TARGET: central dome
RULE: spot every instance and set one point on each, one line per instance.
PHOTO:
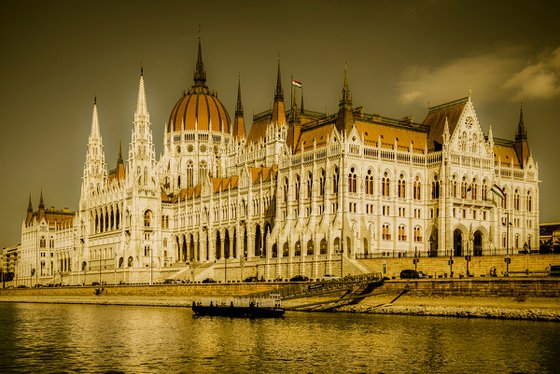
(198, 109)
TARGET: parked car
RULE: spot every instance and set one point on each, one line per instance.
(410, 274)
(251, 279)
(208, 280)
(330, 277)
(554, 271)
(299, 278)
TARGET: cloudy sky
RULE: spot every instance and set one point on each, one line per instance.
(402, 56)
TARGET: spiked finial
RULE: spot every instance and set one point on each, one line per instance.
(29, 205)
(120, 160)
(41, 203)
(95, 133)
(346, 99)
(141, 105)
(239, 107)
(521, 130)
(279, 94)
(200, 73)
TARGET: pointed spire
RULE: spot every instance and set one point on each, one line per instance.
(278, 106)
(279, 94)
(521, 130)
(239, 107)
(301, 105)
(41, 203)
(29, 205)
(346, 98)
(200, 73)
(120, 159)
(490, 135)
(95, 133)
(345, 119)
(141, 105)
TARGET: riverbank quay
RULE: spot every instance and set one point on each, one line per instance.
(524, 299)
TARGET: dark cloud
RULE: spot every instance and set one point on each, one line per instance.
(56, 54)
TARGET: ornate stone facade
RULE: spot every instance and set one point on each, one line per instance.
(276, 202)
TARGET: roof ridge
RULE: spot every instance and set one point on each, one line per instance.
(448, 104)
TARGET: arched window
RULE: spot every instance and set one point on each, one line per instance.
(147, 218)
(386, 232)
(474, 189)
(454, 189)
(529, 201)
(435, 187)
(352, 181)
(484, 190)
(42, 242)
(322, 183)
(474, 144)
(417, 234)
(463, 142)
(309, 185)
(335, 180)
(504, 200)
(369, 183)
(285, 190)
(203, 172)
(297, 186)
(190, 174)
(417, 190)
(464, 188)
(401, 187)
(516, 200)
(402, 233)
(385, 185)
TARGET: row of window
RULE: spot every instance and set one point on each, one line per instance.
(401, 233)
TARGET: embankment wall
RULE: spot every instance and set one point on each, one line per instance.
(481, 287)
(479, 266)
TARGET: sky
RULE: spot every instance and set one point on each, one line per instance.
(402, 57)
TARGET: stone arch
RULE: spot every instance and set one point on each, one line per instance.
(323, 247)
(478, 238)
(366, 247)
(310, 247)
(433, 242)
(286, 250)
(218, 248)
(227, 253)
(336, 245)
(297, 248)
(457, 242)
(258, 241)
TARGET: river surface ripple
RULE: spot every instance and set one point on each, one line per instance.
(48, 338)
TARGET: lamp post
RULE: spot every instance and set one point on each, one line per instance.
(507, 259)
(450, 262)
(151, 265)
(415, 260)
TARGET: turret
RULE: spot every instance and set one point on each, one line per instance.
(521, 142)
(95, 171)
(141, 155)
(239, 119)
(345, 119)
(278, 107)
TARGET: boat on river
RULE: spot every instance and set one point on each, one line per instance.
(246, 307)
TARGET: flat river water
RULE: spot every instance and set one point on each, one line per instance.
(55, 338)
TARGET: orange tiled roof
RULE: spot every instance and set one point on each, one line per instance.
(505, 152)
(372, 132)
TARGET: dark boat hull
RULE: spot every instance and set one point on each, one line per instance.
(238, 311)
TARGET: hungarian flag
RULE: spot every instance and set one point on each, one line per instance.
(498, 191)
(296, 83)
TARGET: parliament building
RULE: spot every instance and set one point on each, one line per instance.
(301, 192)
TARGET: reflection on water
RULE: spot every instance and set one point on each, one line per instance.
(92, 338)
